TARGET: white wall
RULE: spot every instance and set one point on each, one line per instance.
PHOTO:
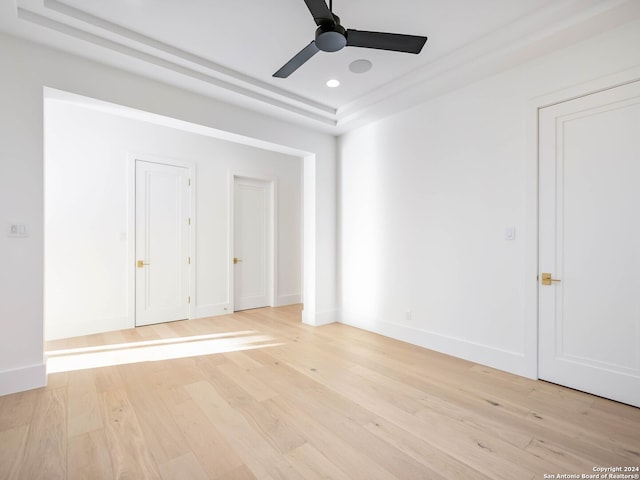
(28, 68)
(424, 200)
(425, 197)
(87, 211)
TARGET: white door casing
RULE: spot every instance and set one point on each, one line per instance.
(589, 233)
(252, 243)
(162, 243)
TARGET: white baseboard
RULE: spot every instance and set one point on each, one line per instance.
(212, 310)
(21, 379)
(512, 362)
(101, 325)
(291, 299)
(317, 319)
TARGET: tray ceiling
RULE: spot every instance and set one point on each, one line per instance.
(230, 49)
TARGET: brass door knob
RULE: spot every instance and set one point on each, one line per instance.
(141, 263)
(547, 280)
(236, 260)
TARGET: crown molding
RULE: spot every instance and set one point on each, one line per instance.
(562, 23)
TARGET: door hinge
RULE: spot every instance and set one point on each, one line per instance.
(189, 260)
(189, 182)
(189, 221)
(189, 298)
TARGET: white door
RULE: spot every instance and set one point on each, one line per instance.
(252, 243)
(162, 243)
(589, 313)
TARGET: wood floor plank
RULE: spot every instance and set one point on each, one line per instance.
(57, 380)
(511, 418)
(252, 385)
(17, 409)
(180, 329)
(130, 457)
(303, 391)
(107, 379)
(183, 467)
(444, 408)
(318, 402)
(349, 459)
(587, 440)
(162, 436)
(83, 408)
(274, 424)
(45, 454)
(518, 394)
(88, 457)
(438, 465)
(164, 330)
(243, 360)
(331, 413)
(169, 382)
(270, 423)
(480, 449)
(312, 465)
(240, 473)
(256, 452)
(210, 447)
(483, 451)
(12, 446)
(374, 449)
(559, 459)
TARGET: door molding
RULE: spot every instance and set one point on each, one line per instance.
(273, 232)
(529, 366)
(132, 158)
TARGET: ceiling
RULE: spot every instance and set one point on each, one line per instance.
(229, 49)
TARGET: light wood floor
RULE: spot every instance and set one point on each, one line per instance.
(284, 400)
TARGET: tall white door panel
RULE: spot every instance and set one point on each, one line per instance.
(162, 243)
(589, 308)
(252, 243)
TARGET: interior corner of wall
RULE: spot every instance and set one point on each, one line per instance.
(317, 319)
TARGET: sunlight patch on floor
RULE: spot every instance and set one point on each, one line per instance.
(81, 358)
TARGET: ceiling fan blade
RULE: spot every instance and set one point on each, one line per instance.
(297, 61)
(385, 41)
(320, 11)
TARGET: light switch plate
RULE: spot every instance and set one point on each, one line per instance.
(510, 233)
(17, 230)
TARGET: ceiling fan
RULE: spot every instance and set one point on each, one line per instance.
(331, 37)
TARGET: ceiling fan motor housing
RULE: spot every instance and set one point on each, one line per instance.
(331, 37)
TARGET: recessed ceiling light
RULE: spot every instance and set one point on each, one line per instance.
(360, 66)
(333, 83)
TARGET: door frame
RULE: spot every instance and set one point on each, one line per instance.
(272, 252)
(529, 365)
(132, 158)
